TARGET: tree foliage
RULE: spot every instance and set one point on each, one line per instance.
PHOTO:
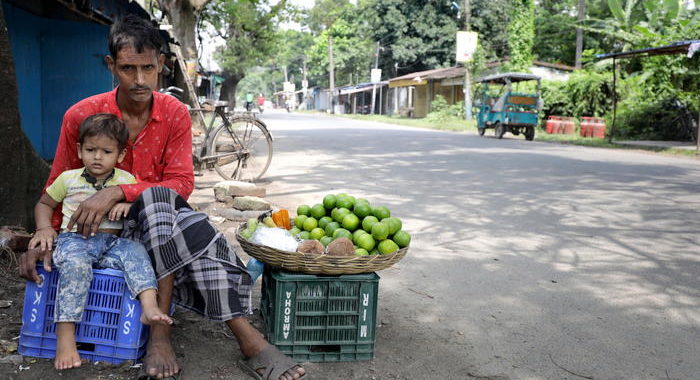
(250, 31)
(521, 35)
(416, 35)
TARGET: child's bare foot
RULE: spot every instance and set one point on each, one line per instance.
(151, 315)
(66, 352)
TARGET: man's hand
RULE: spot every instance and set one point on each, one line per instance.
(91, 211)
(27, 264)
(120, 210)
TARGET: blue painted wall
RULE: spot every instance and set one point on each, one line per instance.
(57, 62)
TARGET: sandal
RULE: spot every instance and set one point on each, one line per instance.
(270, 359)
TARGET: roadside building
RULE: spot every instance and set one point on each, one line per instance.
(411, 95)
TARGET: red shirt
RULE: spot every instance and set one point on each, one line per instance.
(161, 155)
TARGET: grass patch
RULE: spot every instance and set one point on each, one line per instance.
(603, 143)
(451, 124)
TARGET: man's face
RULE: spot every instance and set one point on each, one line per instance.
(137, 72)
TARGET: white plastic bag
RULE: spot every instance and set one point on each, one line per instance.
(278, 238)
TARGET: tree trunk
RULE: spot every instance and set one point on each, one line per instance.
(228, 88)
(579, 32)
(22, 171)
(183, 16)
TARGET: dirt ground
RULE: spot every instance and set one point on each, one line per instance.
(206, 350)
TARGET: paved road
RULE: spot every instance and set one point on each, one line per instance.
(529, 260)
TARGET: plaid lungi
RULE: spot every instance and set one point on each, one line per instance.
(210, 278)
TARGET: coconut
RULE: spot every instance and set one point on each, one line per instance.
(311, 246)
(341, 247)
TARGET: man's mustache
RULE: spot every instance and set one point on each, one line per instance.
(139, 88)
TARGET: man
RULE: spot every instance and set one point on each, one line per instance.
(194, 264)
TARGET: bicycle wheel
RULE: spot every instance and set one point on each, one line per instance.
(250, 146)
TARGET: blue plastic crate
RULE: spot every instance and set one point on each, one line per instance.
(109, 331)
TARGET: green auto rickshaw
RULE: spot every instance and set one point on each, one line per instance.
(504, 109)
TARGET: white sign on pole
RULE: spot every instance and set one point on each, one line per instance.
(376, 75)
(466, 46)
(305, 83)
(289, 87)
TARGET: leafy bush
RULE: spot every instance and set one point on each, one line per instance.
(586, 93)
(442, 111)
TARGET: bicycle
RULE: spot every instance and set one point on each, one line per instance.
(237, 146)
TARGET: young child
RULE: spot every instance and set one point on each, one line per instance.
(101, 145)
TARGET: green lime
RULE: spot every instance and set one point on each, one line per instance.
(350, 222)
(362, 200)
(326, 240)
(295, 230)
(357, 233)
(365, 241)
(393, 223)
(299, 221)
(317, 233)
(361, 209)
(402, 238)
(342, 232)
(361, 252)
(253, 223)
(387, 246)
(368, 222)
(310, 223)
(374, 252)
(247, 234)
(345, 202)
(324, 221)
(329, 201)
(380, 231)
(331, 227)
(304, 235)
(340, 214)
(303, 210)
(318, 211)
(381, 212)
(341, 195)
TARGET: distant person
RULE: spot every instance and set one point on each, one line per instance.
(261, 103)
(101, 145)
(248, 102)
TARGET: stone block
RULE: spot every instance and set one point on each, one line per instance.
(248, 203)
(225, 189)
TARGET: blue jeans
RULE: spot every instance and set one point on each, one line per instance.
(75, 257)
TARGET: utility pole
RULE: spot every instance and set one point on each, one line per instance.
(579, 32)
(467, 79)
(374, 86)
(331, 69)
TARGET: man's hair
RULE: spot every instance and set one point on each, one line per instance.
(133, 31)
(104, 124)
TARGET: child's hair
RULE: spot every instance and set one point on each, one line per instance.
(104, 124)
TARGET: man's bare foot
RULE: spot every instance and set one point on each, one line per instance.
(160, 358)
(153, 315)
(66, 351)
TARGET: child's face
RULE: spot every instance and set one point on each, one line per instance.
(100, 154)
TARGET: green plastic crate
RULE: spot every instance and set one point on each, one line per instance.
(320, 318)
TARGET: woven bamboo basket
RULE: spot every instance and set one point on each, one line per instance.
(318, 264)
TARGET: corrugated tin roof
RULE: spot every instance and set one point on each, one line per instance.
(445, 72)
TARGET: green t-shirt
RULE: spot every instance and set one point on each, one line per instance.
(71, 188)
(249, 97)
